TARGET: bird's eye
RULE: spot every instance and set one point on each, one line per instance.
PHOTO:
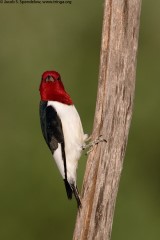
(58, 78)
(49, 79)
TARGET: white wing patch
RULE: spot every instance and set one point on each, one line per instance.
(73, 138)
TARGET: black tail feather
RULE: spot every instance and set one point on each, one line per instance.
(68, 189)
(76, 194)
(72, 189)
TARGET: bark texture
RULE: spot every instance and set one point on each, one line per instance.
(113, 114)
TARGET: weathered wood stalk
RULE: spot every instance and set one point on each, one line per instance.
(113, 114)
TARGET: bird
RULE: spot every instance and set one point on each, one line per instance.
(62, 129)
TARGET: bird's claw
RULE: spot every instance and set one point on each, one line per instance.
(93, 143)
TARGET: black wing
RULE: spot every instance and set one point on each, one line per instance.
(53, 134)
(51, 126)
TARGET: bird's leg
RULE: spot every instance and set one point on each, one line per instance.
(93, 143)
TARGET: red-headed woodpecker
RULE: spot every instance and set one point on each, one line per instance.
(62, 129)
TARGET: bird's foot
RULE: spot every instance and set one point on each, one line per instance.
(93, 143)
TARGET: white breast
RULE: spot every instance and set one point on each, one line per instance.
(73, 138)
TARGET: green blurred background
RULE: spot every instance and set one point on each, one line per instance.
(35, 38)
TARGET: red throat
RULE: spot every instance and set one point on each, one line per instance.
(54, 91)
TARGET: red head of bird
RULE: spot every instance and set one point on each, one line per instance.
(52, 89)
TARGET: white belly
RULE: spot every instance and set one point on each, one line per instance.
(73, 138)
